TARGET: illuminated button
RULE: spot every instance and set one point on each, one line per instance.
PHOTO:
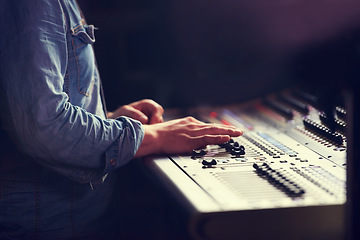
(213, 114)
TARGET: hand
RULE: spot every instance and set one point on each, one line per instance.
(183, 135)
(146, 111)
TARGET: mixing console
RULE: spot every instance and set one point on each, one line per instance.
(286, 175)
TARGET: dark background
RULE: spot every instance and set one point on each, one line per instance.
(200, 52)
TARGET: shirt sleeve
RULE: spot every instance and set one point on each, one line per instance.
(37, 112)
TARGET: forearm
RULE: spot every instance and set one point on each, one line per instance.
(75, 141)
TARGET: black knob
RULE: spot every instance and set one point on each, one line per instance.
(198, 153)
(209, 163)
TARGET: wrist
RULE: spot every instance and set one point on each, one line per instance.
(150, 143)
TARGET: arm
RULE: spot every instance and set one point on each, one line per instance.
(176, 136)
(37, 112)
(65, 137)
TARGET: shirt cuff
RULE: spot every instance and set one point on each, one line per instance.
(127, 144)
(124, 148)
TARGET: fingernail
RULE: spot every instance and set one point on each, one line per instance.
(239, 132)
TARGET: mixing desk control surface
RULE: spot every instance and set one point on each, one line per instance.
(286, 173)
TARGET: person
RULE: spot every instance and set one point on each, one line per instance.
(59, 146)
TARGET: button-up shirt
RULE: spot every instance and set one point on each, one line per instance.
(53, 110)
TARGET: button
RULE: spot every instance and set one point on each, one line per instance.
(112, 162)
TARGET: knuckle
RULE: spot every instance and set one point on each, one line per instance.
(150, 102)
(154, 104)
(127, 107)
(213, 127)
(190, 119)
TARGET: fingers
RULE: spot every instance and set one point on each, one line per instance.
(194, 127)
(201, 134)
(138, 115)
(204, 140)
(183, 135)
(151, 109)
(146, 111)
(133, 113)
(217, 129)
(156, 112)
(156, 117)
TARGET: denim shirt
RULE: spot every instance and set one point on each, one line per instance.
(52, 108)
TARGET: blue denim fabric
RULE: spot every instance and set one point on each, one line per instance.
(52, 109)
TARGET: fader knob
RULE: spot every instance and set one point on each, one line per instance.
(200, 152)
(207, 163)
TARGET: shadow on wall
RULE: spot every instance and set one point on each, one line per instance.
(192, 52)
